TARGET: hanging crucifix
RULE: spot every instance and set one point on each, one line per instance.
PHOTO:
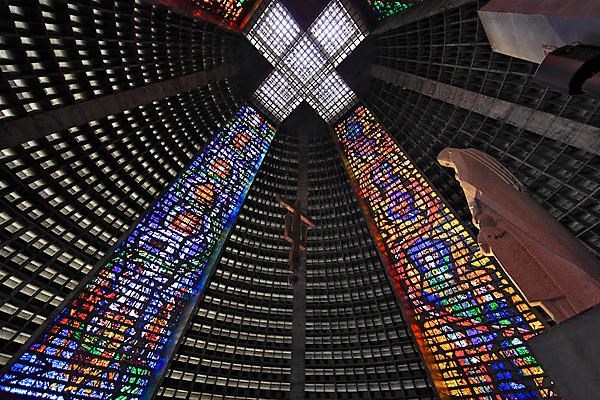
(296, 225)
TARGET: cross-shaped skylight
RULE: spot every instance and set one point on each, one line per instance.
(305, 61)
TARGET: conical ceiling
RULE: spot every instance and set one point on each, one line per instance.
(87, 145)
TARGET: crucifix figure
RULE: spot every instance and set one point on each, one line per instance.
(296, 225)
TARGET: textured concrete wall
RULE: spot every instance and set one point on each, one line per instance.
(573, 133)
(44, 123)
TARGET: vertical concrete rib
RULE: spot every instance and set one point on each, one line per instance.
(299, 292)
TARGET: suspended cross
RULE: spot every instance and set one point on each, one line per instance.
(305, 61)
(296, 224)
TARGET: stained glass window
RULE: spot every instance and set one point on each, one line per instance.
(387, 8)
(471, 322)
(232, 14)
(114, 338)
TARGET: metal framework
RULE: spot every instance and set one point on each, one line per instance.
(305, 62)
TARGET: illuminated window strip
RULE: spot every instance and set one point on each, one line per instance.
(113, 339)
(300, 59)
(472, 321)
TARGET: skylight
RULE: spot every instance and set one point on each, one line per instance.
(331, 97)
(336, 32)
(274, 32)
(305, 62)
(277, 95)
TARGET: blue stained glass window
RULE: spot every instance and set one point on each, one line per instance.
(114, 337)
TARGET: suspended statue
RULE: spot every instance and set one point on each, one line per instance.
(296, 232)
(551, 267)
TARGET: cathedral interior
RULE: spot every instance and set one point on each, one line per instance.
(242, 199)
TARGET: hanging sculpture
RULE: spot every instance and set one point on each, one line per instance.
(296, 234)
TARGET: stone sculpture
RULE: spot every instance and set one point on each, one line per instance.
(550, 266)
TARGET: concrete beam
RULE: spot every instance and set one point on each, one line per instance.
(419, 12)
(40, 124)
(564, 130)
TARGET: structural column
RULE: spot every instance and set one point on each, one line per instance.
(299, 288)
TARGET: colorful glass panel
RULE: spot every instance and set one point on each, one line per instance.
(387, 8)
(471, 322)
(232, 14)
(114, 338)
